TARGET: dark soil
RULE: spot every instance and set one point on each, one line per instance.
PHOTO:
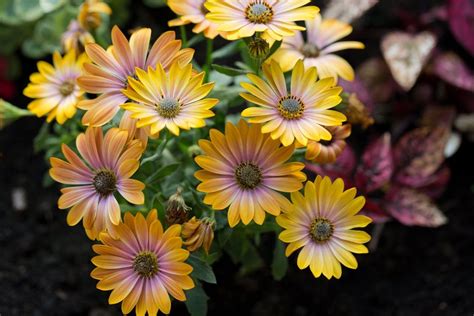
(45, 264)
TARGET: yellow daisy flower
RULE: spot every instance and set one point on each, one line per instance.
(300, 113)
(243, 18)
(320, 222)
(144, 266)
(193, 11)
(174, 100)
(243, 170)
(317, 48)
(55, 88)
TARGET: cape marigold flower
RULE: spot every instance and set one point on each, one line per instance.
(321, 42)
(193, 11)
(105, 168)
(327, 152)
(199, 233)
(108, 74)
(55, 88)
(173, 100)
(243, 18)
(90, 11)
(243, 170)
(300, 113)
(144, 266)
(76, 37)
(321, 223)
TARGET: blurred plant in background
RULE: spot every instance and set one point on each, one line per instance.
(169, 113)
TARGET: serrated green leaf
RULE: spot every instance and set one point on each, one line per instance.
(229, 71)
(201, 270)
(280, 261)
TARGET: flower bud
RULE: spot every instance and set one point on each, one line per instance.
(10, 113)
(198, 233)
(357, 113)
(258, 47)
(176, 209)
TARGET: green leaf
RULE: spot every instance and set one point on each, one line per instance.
(201, 270)
(50, 5)
(228, 50)
(229, 70)
(163, 172)
(196, 300)
(280, 261)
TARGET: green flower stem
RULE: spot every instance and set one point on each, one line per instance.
(207, 66)
(159, 150)
(184, 37)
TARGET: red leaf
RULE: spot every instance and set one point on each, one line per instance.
(374, 210)
(419, 154)
(413, 208)
(452, 69)
(343, 167)
(461, 22)
(376, 166)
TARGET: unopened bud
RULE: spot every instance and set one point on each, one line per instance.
(258, 47)
(176, 209)
(357, 113)
(198, 233)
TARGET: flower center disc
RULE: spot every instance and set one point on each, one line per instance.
(321, 230)
(168, 108)
(310, 50)
(105, 182)
(66, 88)
(145, 264)
(258, 12)
(248, 175)
(291, 107)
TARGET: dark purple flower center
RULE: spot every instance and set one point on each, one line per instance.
(248, 175)
(105, 182)
(321, 230)
(145, 264)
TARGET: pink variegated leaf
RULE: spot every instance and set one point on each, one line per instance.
(436, 184)
(347, 10)
(376, 77)
(419, 154)
(461, 22)
(413, 208)
(452, 69)
(406, 55)
(374, 210)
(343, 167)
(376, 166)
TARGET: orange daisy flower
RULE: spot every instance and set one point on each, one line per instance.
(105, 168)
(144, 266)
(243, 170)
(109, 72)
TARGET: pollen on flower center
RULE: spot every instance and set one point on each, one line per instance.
(145, 264)
(321, 230)
(105, 182)
(259, 12)
(66, 88)
(168, 108)
(248, 175)
(291, 107)
(310, 50)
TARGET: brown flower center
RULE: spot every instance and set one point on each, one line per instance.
(145, 264)
(168, 108)
(105, 182)
(259, 12)
(248, 175)
(66, 88)
(321, 230)
(291, 107)
(310, 50)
